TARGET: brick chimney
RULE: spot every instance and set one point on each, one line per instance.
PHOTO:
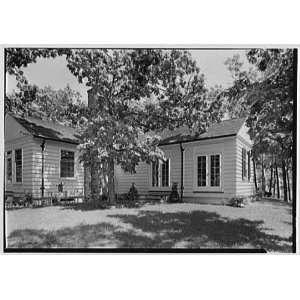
(91, 97)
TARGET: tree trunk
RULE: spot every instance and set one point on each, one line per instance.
(288, 183)
(111, 183)
(285, 196)
(271, 179)
(95, 191)
(263, 180)
(277, 181)
(254, 173)
(274, 183)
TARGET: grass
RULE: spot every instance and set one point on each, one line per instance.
(258, 226)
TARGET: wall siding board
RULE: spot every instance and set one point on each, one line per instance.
(225, 147)
(142, 177)
(52, 168)
(244, 187)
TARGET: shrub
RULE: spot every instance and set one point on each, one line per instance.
(133, 194)
(28, 199)
(174, 195)
(237, 201)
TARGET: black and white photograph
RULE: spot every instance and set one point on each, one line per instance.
(150, 149)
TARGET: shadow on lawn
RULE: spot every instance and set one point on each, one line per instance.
(152, 229)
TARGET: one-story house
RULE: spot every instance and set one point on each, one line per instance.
(211, 167)
(41, 158)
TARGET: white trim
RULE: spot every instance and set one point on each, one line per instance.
(208, 187)
(160, 187)
(12, 166)
(15, 171)
(69, 150)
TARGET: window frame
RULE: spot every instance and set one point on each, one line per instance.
(206, 171)
(208, 187)
(210, 170)
(15, 166)
(162, 174)
(159, 179)
(12, 166)
(60, 152)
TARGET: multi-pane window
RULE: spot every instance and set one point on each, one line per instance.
(67, 161)
(8, 166)
(249, 165)
(201, 164)
(155, 169)
(244, 170)
(215, 170)
(160, 173)
(209, 170)
(165, 173)
(18, 164)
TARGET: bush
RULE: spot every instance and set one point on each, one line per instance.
(174, 195)
(237, 201)
(133, 194)
(28, 199)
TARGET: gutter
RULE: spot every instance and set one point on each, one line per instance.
(199, 139)
(54, 139)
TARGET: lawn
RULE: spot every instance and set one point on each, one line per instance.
(259, 225)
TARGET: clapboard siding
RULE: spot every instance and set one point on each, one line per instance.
(52, 168)
(225, 147)
(142, 177)
(123, 180)
(25, 143)
(244, 187)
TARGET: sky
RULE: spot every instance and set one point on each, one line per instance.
(54, 72)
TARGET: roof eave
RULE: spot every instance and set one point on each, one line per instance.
(198, 139)
(56, 140)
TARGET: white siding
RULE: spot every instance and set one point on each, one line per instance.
(223, 146)
(123, 180)
(142, 177)
(26, 144)
(17, 137)
(52, 168)
(244, 187)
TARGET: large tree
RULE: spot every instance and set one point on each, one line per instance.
(137, 93)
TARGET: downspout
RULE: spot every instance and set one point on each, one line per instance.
(181, 177)
(43, 184)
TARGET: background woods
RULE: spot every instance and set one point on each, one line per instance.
(265, 94)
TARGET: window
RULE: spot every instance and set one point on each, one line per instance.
(208, 171)
(215, 170)
(8, 166)
(160, 173)
(18, 163)
(155, 166)
(249, 165)
(201, 163)
(244, 171)
(165, 173)
(67, 164)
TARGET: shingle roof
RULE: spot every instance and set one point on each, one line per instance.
(48, 130)
(222, 129)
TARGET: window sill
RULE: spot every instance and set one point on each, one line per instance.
(67, 178)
